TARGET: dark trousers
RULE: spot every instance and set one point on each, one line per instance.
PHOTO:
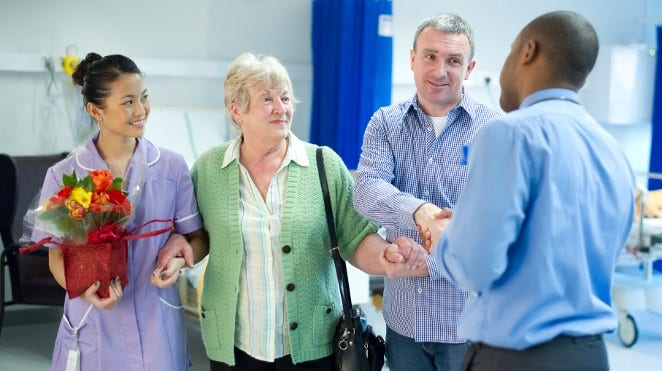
(244, 362)
(561, 353)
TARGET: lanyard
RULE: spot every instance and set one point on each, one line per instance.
(73, 359)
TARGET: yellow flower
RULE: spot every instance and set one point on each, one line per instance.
(81, 196)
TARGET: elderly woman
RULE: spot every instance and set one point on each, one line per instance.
(270, 298)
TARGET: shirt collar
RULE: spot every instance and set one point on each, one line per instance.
(88, 157)
(466, 103)
(549, 94)
(296, 152)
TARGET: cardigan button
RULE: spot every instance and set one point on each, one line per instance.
(287, 249)
(293, 326)
(290, 287)
(328, 310)
(202, 314)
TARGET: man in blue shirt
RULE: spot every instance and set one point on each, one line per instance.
(413, 164)
(546, 211)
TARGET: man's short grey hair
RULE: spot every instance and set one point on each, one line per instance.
(448, 23)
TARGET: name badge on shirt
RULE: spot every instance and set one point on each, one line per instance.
(465, 155)
(73, 360)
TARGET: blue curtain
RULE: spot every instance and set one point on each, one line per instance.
(656, 136)
(352, 63)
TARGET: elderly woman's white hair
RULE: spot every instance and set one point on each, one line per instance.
(249, 70)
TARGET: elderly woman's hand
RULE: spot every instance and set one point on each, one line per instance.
(404, 258)
(406, 251)
(401, 270)
(177, 246)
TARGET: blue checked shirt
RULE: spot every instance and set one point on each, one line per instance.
(403, 165)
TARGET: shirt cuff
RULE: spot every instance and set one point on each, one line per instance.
(433, 269)
(188, 223)
(407, 209)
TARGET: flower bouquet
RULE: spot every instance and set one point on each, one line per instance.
(88, 216)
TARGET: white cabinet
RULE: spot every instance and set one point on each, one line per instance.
(619, 90)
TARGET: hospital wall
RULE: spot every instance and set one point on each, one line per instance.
(184, 47)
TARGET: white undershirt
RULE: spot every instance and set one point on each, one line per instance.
(438, 123)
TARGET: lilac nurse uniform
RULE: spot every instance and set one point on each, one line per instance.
(145, 330)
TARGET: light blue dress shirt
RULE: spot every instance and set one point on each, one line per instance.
(403, 165)
(536, 232)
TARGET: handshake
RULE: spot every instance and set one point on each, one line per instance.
(406, 258)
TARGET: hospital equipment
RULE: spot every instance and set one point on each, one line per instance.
(637, 282)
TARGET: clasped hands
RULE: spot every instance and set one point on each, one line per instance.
(175, 255)
(431, 221)
(405, 257)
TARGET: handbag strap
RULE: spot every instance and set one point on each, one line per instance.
(341, 268)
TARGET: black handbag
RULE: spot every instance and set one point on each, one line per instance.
(355, 345)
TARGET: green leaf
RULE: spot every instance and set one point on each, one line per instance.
(54, 216)
(70, 179)
(86, 184)
(60, 219)
(117, 184)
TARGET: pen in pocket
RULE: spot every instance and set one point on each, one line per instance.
(465, 155)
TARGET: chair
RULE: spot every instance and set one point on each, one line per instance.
(31, 281)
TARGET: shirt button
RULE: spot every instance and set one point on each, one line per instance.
(427, 193)
(420, 290)
(290, 287)
(293, 326)
(429, 128)
(430, 160)
(287, 249)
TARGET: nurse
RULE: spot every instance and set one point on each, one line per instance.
(140, 327)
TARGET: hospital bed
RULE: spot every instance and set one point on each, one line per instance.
(637, 285)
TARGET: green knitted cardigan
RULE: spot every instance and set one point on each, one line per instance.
(313, 307)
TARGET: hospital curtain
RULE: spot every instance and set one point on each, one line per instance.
(352, 61)
(656, 135)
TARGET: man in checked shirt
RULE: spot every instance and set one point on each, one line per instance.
(413, 165)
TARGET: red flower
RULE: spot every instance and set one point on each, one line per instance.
(124, 208)
(54, 202)
(99, 198)
(102, 179)
(100, 208)
(76, 210)
(116, 196)
(65, 191)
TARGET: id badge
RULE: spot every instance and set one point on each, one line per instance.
(73, 360)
